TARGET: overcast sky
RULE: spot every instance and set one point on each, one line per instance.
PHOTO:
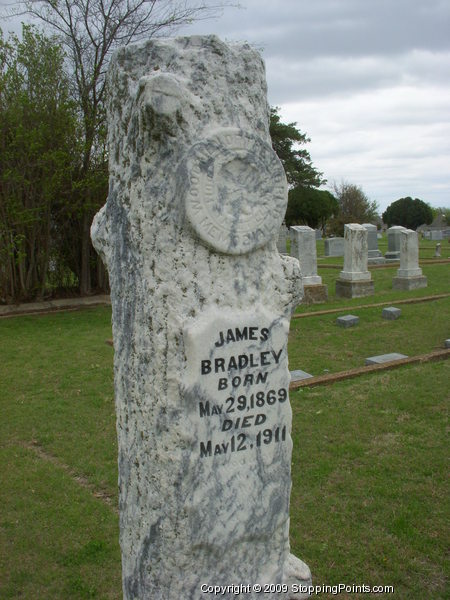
(367, 80)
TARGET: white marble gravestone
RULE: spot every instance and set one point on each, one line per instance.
(303, 247)
(201, 301)
(355, 280)
(409, 275)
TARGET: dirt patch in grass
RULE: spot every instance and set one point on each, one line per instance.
(81, 480)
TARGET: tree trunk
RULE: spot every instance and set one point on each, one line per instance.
(85, 273)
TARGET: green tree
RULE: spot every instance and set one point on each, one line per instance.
(354, 207)
(442, 210)
(408, 213)
(90, 30)
(296, 162)
(310, 206)
(38, 153)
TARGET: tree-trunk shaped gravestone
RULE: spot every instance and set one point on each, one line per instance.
(201, 302)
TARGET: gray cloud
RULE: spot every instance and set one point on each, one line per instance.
(367, 80)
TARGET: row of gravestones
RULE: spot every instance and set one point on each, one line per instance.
(355, 280)
(334, 246)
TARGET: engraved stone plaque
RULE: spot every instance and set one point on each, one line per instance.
(236, 192)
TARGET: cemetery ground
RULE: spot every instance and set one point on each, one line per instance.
(370, 493)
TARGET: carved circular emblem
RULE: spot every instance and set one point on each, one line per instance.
(236, 192)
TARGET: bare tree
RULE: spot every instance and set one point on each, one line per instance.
(90, 30)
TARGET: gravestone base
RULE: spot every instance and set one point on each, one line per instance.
(409, 283)
(376, 260)
(315, 294)
(392, 256)
(354, 289)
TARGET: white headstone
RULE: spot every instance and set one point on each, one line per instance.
(409, 275)
(409, 254)
(355, 253)
(201, 301)
(303, 247)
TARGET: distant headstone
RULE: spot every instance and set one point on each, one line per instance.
(299, 375)
(303, 247)
(355, 280)
(391, 313)
(384, 358)
(347, 321)
(409, 275)
(394, 242)
(318, 233)
(334, 246)
(436, 235)
(373, 254)
(447, 343)
(283, 235)
(437, 253)
(201, 301)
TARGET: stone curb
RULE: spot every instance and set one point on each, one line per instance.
(12, 310)
(333, 377)
(390, 265)
(331, 311)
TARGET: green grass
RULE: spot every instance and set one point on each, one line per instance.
(438, 282)
(318, 345)
(56, 393)
(370, 491)
(369, 499)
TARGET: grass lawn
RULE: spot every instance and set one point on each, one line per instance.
(369, 498)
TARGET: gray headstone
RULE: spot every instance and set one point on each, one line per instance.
(373, 254)
(447, 343)
(283, 235)
(347, 321)
(201, 301)
(394, 242)
(298, 375)
(436, 235)
(437, 252)
(384, 358)
(334, 246)
(391, 313)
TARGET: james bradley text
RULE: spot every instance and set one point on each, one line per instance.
(239, 371)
